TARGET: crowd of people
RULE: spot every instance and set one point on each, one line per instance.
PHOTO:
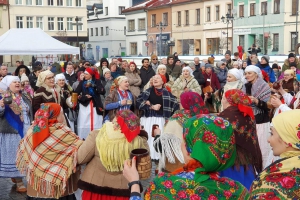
(214, 130)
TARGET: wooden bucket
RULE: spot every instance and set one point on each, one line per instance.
(143, 162)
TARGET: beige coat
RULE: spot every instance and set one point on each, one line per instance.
(135, 81)
(95, 177)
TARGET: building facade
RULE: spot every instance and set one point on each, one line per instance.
(263, 23)
(56, 18)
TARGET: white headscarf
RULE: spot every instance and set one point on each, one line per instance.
(236, 73)
(7, 80)
(59, 77)
(190, 70)
(42, 77)
(160, 67)
(253, 68)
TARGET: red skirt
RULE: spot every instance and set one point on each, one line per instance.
(86, 195)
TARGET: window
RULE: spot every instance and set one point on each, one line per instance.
(275, 42)
(165, 19)
(131, 25)
(121, 8)
(29, 21)
(229, 9)
(69, 2)
(39, 2)
(294, 8)
(142, 24)
(19, 22)
(101, 31)
(133, 48)
(106, 10)
(153, 20)
(241, 10)
(39, 22)
(80, 26)
(179, 18)
(252, 9)
(50, 3)
(241, 40)
(29, 2)
(208, 14)
(293, 40)
(217, 13)
(96, 31)
(18, 2)
(50, 23)
(277, 6)
(197, 16)
(107, 30)
(60, 3)
(187, 18)
(69, 23)
(264, 8)
(60, 23)
(92, 32)
(78, 3)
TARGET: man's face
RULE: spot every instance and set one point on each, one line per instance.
(196, 61)
(164, 61)
(146, 63)
(115, 61)
(18, 64)
(3, 70)
(154, 60)
(227, 56)
(124, 64)
(171, 61)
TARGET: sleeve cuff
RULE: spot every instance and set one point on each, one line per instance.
(134, 194)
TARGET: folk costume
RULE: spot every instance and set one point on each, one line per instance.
(168, 144)
(150, 117)
(90, 109)
(211, 144)
(281, 179)
(182, 83)
(15, 119)
(104, 152)
(249, 159)
(170, 80)
(47, 156)
(116, 95)
(260, 90)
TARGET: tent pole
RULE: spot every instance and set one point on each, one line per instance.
(8, 13)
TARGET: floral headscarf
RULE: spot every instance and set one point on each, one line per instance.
(45, 117)
(129, 124)
(212, 146)
(193, 102)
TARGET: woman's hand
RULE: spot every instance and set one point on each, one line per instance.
(275, 102)
(88, 96)
(186, 89)
(148, 103)
(2, 103)
(130, 172)
(254, 100)
(156, 107)
(124, 102)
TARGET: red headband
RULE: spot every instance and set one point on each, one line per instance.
(93, 72)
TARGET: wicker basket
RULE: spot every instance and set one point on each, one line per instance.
(143, 162)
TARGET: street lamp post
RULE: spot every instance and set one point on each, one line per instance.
(77, 24)
(227, 20)
(160, 26)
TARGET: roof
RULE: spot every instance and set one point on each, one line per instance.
(158, 3)
(181, 1)
(140, 6)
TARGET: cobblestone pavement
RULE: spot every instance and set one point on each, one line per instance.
(8, 188)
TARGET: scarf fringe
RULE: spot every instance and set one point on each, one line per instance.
(171, 146)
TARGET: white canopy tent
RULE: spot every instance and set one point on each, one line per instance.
(31, 41)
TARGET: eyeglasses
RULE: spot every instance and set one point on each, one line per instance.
(155, 59)
(49, 78)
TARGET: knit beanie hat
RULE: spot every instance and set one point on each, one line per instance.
(24, 78)
(293, 64)
(105, 70)
(208, 65)
(274, 66)
(266, 57)
(291, 55)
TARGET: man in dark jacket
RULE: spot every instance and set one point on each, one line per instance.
(146, 72)
(172, 69)
(36, 70)
(197, 73)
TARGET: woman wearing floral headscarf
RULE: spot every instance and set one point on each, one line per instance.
(248, 162)
(209, 149)
(259, 92)
(104, 152)
(186, 82)
(15, 120)
(168, 144)
(281, 179)
(90, 104)
(119, 98)
(47, 156)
